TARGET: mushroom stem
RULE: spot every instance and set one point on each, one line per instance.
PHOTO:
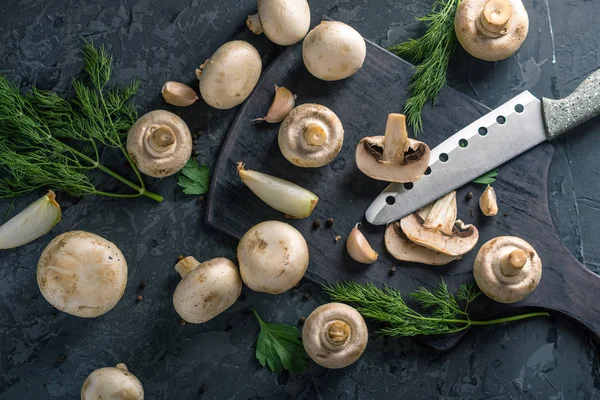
(315, 135)
(395, 143)
(122, 367)
(253, 23)
(495, 18)
(161, 138)
(186, 265)
(338, 333)
(442, 215)
(513, 263)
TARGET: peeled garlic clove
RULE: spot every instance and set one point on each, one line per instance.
(31, 223)
(359, 248)
(178, 94)
(488, 202)
(282, 195)
(283, 103)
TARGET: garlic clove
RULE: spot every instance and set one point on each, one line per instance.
(488, 202)
(283, 103)
(31, 223)
(178, 94)
(359, 248)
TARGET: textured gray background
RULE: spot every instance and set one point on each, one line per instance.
(47, 355)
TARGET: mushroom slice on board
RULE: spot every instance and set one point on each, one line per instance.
(430, 228)
(159, 143)
(335, 335)
(206, 289)
(507, 269)
(311, 136)
(491, 30)
(82, 274)
(398, 245)
(393, 157)
(284, 22)
(112, 383)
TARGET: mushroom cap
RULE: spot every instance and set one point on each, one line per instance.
(416, 160)
(273, 257)
(112, 383)
(293, 140)
(82, 274)
(398, 245)
(335, 335)
(230, 75)
(207, 289)
(494, 48)
(333, 50)
(284, 22)
(490, 274)
(159, 143)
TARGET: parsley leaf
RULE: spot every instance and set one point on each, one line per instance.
(488, 177)
(279, 346)
(194, 178)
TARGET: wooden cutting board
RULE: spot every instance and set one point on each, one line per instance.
(363, 102)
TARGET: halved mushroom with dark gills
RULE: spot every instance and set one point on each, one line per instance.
(82, 274)
(507, 269)
(311, 136)
(437, 228)
(112, 383)
(402, 249)
(159, 143)
(206, 289)
(335, 335)
(393, 157)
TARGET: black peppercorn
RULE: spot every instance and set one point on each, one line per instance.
(330, 222)
(469, 196)
(316, 223)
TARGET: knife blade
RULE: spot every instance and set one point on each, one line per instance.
(507, 131)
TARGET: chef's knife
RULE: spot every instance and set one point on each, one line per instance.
(511, 129)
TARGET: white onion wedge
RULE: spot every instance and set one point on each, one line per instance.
(282, 195)
(31, 223)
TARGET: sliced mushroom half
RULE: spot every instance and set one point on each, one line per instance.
(311, 136)
(435, 227)
(398, 245)
(393, 157)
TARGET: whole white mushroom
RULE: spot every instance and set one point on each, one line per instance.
(284, 22)
(112, 383)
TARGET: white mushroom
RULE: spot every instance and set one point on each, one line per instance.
(284, 22)
(437, 228)
(491, 29)
(393, 157)
(398, 245)
(335, 335)
(333, 50)
(273, 257)
(159, 143)
(230, 75)
(311, 136)
(207, 289)
(112, 383)
(507, 269)
(82, 274)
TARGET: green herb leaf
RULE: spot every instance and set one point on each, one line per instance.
(488, 177)
(194, 178)
(279, 347)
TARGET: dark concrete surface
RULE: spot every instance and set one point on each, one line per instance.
(46, 354)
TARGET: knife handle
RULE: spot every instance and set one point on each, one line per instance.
(567, 113)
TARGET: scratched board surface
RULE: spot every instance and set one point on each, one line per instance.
(362, 102)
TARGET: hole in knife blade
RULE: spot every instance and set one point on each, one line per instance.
(463, 143)
(483, 131)
(408, 185)
(519, 108)
(443, 157)
(428, 171)
(391, 200)
(500, 119)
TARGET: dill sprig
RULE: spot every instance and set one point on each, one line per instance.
(47, 141)
(446, 312)
(432, 53)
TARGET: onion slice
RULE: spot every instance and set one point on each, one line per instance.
(287, 197)
(31, 223)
